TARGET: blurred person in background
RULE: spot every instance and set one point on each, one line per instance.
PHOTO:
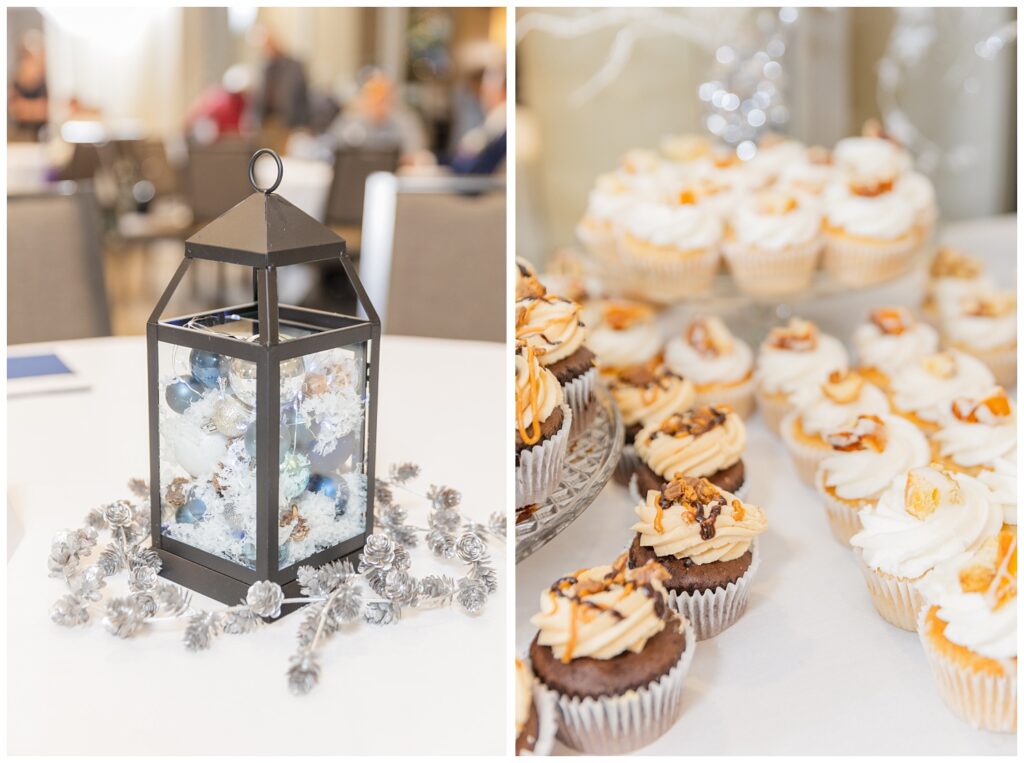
(481, 151)
(280, 102)
(375, 118)
(221, 108)
(27, 101)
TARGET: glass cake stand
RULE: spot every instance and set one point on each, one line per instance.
(589, 464)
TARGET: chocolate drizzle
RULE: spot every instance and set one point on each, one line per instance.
(701, 502)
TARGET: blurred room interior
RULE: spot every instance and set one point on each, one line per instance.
(129, 129)
(592, 84)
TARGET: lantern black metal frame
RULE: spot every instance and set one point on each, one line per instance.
(264, 232)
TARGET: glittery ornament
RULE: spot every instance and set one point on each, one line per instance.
(191, 512)
(181, 393)
(293, 373)
(207, 367)
(231, 417)
(242, 377)
(294, 475)
(315, 384)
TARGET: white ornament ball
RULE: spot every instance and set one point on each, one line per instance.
(242, 377)
(196, 451)
(231, 417)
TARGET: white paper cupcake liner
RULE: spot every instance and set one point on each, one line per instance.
(897, 600)
(620, 724)
(843, 520)
(773, 409)
(578, 395)
(546, 702)
(739, 397)
(669, 279)
(540, 467)
(628, 461)
(806, 458)
(634, 490)
(856, 263)
(772, 274)
(983, 700)
(711, 612)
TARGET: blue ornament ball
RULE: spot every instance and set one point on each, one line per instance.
(191, 512)
(332, 487)
(181, 393)
(207, 367)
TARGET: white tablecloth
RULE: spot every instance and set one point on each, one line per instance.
(810, 668)
(431, 683)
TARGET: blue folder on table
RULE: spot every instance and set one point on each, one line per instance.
(41, 373)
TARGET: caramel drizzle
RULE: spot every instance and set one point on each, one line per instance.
(525, 312)
(1004, 583)
(694, 422)
(695, 495)
(533, 400)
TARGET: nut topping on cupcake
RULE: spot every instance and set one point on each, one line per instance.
(693, 423)
(709, 337)
(621, 316)
(985, 411)
(868, 431)
(798, 335)
(892, 320)
(870, 187)
(843, 387)
(926, 489)
(992, 304)
(953, 263)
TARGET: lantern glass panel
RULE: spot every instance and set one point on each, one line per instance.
(322, 479)
(207, 446)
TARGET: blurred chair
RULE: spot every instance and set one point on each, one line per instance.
(433, 257)
(217, 177)
(352, 166)
(55, 282)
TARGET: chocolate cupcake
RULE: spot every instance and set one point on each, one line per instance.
(704, 538)
(542, 430)
(646, 394)
(551, 326)
(614, 654)
(707, 441)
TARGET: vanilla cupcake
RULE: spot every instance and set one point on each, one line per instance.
(985, 326)
(969, 633)
(704, 538)
(1001, 480)
(923, 391)
(542, 423)
(791, 358)
(976, 432)
(772, 244)
(868, 454)
(553, 328)
(613, 654)
(622, 334)
(890, 341)
(871, 232)
(720, 366)
(646, 395)
(952, 276)
(702, 442)
(606, 206)
(924, 518)
(671, 251)
(823, 409)
(808, 179)
(774, 155)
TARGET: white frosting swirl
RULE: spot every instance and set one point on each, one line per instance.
(906, 546)
(920, 194)
(704, 368)
(808, 179)
(552, 326)
(770, 161)
(818, 413)
(977, 443)
(652, 403)
(693, 455)
(886, 216)
(1001, 480)
(981, 332)
(891, 352)
(608, 204)
(862, 475)
(971, 620)
(917, 390)
(618, 347)
(548, 395)
(599, 633)
(787, 371)
(870, 157)
(949, 292)
(754, 227)
(686, 227)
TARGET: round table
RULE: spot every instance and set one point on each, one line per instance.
(431, 683)
(810, 668)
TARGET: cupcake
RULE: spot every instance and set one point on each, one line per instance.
(923, 391)
(969, 633)
(1001, 480)
(703, 442)
(774, 154)
(985, 326)
(772, 244)
(867, 456)
(807, 179)
(920, 194)
(552, 327)
(871, 233)
(870, 155)
(621, 334)
(843, 397)
(952, 276)
(720, 366)
(704, 538)
(535, 720)
(606, 205)
(925, 517)
(568, 273)
(542, 429)
(890, 341)
(527, 284)
(646, 395)
(614, 654)
(670, 251)
(791, 358)
(976, 432)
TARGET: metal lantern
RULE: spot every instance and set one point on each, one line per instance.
(262, 416)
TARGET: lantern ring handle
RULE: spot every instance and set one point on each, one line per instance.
(252, 170)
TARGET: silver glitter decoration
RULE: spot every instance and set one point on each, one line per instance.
(402, 473)
(124, 616)
(303, 674)
(470, 548)
(265, 598)
(118, 514)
